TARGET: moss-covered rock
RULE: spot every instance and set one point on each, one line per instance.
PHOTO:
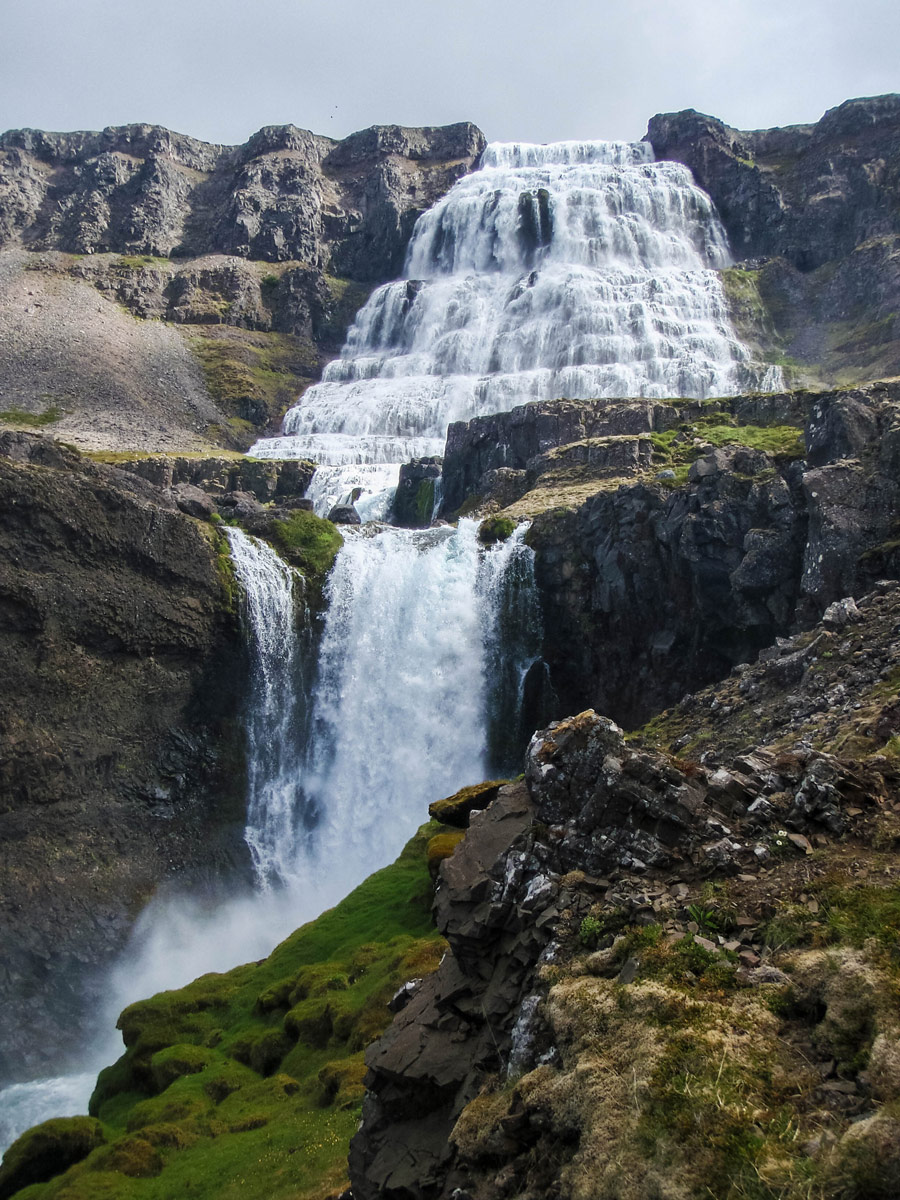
(308, 542)
(263, 1063)
(46, 1150)
(442, 846)
(456, 809)
(495, 529)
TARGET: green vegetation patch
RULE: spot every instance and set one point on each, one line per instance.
(44, 1151)
(307, 541)
(253, 377)
(456, 809)
(495, 529)
(675, 447)
(20, 416)
(248, 1084)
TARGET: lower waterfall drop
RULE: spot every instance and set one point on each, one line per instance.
(401, 715)
(276, 703)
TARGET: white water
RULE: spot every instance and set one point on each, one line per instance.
(400, 718)
(274, 722)
(578, 269)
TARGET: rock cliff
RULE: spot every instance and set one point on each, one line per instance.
(120, 724)
(244, 265)
(657, 965)
(812, 215)
(674, 540)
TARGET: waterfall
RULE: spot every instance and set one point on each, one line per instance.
(577, 269)
(414, 630)
(275, 707)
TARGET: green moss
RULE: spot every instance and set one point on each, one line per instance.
(495, 529)
(19, 416)
(253, 377)
(260, 1069)
(42, 1152)
(442, 846)
(424, 503)
(456, 809)
(307, 541)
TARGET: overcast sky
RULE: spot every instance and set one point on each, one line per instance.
(532, 70)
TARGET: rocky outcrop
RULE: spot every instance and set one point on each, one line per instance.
(509, 452)
(815, 210)
(286, 195)
(613, 924)
(414, 501)
(664, 558)
(122, 760)
(806, 193)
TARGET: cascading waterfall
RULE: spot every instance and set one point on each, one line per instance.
(577, 269)
(415, 627)
(580, 269)
(276, 704)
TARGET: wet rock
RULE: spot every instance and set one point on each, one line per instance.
(344, 514)
(414, 501)
(193, 501)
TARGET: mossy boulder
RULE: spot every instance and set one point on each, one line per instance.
(170, 1064)
(442, 846)
(47, 1149)
(307, 541)
(132, 1156)
(495, 529)
(456, 809)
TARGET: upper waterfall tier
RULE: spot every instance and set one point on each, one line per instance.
(577, 269)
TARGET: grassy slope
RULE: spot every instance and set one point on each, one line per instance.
(249, 1083)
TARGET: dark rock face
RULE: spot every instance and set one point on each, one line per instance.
(651, 589)
(599, 816)
(807, 197)
(262, 479)
(807, 193)
(416, 490)
(287, 195)
(122, 760)
(426, 1067)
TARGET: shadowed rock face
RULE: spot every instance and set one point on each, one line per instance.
(653, 586)
(807, 193)
(119, 719)
(286, 195)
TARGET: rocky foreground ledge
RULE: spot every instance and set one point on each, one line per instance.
(669, 973)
